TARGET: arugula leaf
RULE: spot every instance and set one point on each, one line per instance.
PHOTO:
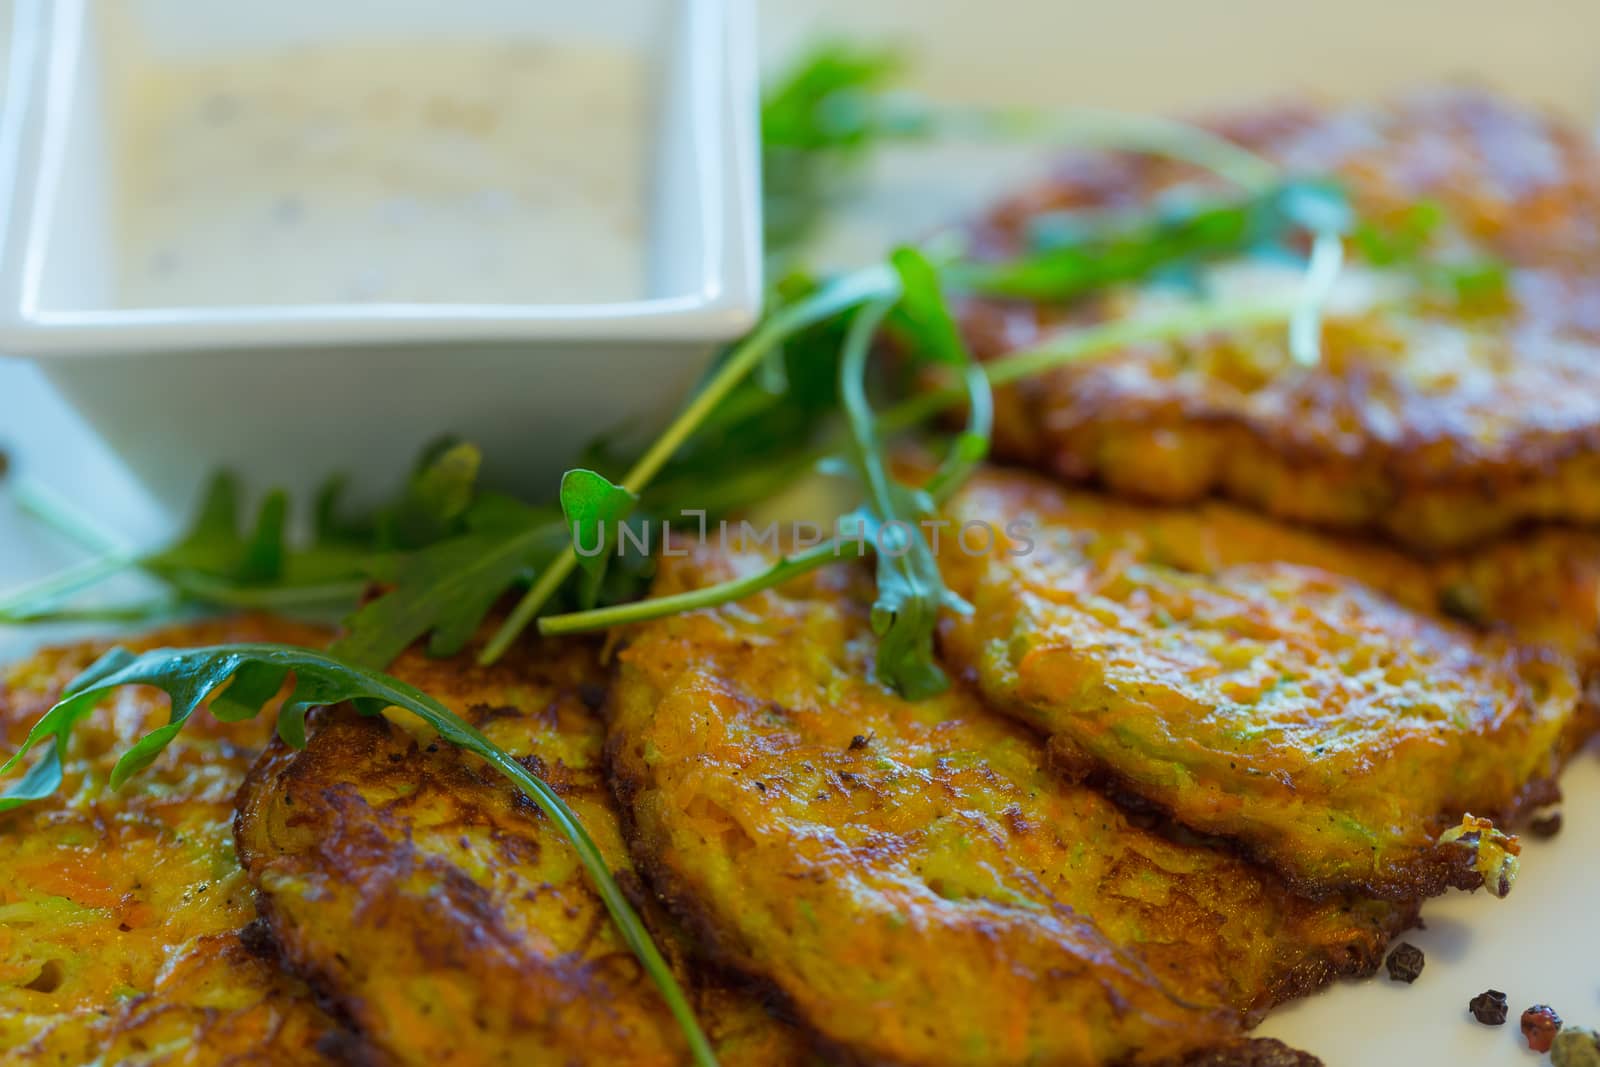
(212, 543)
(262, 557)
(447, 589)
(761, 438)
(1082, 252)
(435, 497)
(329, 525)
(594, 507)
(922, 310)
(1058, 351)
(817, 124)
(253, 674)
(214, 564)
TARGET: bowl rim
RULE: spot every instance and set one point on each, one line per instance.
(43, 69)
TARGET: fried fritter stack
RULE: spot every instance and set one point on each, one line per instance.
(1211, 684)
(913, 879)
(1196, 759)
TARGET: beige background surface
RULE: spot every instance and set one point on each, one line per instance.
(1172, 55)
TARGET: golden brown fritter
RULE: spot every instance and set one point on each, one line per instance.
(1436, 426)
(121, 911)
(910, 877)
(1542, 587)
(417, 889)
(1257, 690)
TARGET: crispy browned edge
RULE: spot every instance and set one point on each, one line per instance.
(343, 1043)
(349, 1044)
(279, 759)
(1413, 501)
(1428, 876)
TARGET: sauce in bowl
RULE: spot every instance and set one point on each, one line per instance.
(448, 171)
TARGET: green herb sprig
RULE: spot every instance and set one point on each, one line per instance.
(818, 125)
(216, 564)
(1077, 254)
(1059, 351)
(440, 562)
(825, 303)
(911, 592)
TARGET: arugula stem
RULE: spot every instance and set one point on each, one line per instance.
(1076, 345)
(972, 446)
(269, 597)
(163, 608)
(840, 295)
(789, 567)
(1144, 134)
(36, 597)
(48, 508)
(1305, 328)
(858, 410)
(911, 590)
(627, 921)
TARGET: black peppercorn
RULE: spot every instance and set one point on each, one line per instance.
(1405, 963)
(1546, 825)
(1539, 1026)
(1489, 1007)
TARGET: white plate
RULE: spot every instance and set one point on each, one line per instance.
(1542, 943)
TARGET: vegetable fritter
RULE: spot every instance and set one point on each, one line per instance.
(1543, 587)
(1270, 699)
(910, 877)
(1438, 423)
(417, 890)
(121, 911)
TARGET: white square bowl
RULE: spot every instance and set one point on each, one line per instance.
(286, 394)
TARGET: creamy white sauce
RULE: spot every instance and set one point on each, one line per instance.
(431, 171)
